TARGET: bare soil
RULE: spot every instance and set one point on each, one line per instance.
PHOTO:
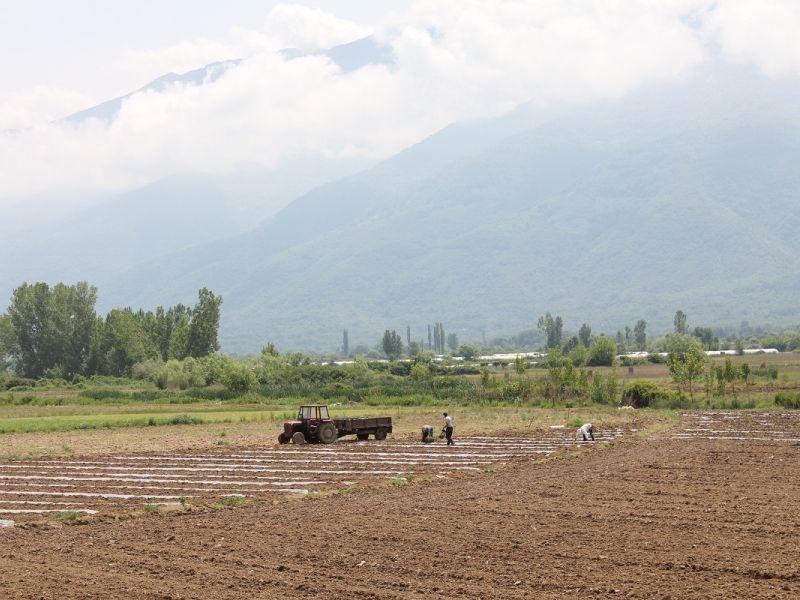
(643, 518)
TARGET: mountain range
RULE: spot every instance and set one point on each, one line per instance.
(679, 196)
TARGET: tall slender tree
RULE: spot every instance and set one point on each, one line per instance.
(585, 335)
(681, 323)
(392, 344)
(204, 325)
(640, 335)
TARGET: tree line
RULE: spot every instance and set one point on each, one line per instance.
(57, 332)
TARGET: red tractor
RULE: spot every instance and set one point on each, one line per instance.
(313, 424)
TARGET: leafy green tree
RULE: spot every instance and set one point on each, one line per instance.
(271, 350)
(731, 374)
(603, 352)
(452, 342)
(640, 335)
(6, 342)
(51, 328)
(552, 328)
(719, 374)
(740, 346)
(687, 364)
(468, 351)
(706, 337)
(345, 344)
(585, 335)
(579, 355)
(204, 325)
(620, 342)
(520, 365)
(680, 323)
(392, 345)
(124, 342)
(745, 373)
(571, 343)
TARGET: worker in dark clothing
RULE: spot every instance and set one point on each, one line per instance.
(448, 429)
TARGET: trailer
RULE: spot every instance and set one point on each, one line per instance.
(314, 424)
(362, 428)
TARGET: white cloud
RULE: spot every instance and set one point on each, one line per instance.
(286, 26)
(456, 59)
(38, 105)
(297, 26)
(764, 32)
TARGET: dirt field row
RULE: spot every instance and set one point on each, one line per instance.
(740, 426)
(640, 518)
(32, 488)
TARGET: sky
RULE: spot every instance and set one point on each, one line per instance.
(455, 60)
(91, 46)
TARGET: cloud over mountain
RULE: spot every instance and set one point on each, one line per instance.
(454, 61)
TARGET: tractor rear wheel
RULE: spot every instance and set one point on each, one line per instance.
(380, 434)
(363, 437)
(282, 439)
(327, 433)
(298, 438)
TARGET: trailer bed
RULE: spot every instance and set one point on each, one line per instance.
(364, 426)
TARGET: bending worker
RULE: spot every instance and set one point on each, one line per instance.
(586, 432)
(448, 429)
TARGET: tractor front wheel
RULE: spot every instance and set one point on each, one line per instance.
(380, 434)
(327, 433)
(298, 438)
(282, 439)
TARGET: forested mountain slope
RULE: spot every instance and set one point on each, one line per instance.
(672, 198)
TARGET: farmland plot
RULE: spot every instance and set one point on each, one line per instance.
(740, 426)
(125, 482)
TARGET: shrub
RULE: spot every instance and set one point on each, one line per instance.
(101, 393)
(642, 394)
(185, 420)
(603, 352)
(233, 501)
(788, 400)
(10, 382)
(421, 372)
(238, 378)
(66, 516)
(604, 392)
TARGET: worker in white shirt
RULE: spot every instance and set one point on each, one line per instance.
(586, 432)
(448, 429)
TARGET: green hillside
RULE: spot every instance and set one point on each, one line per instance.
(606, 213)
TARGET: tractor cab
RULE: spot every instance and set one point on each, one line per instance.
(313, 424)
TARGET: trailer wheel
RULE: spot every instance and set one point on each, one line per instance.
(380, 434)
(327, 433)
(362, 436)
(298, 438)
(282, 439)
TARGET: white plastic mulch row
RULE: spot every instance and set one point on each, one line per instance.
(45, 486)
(740, 426)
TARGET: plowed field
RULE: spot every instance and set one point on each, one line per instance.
(677, 517)
(114, 484)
